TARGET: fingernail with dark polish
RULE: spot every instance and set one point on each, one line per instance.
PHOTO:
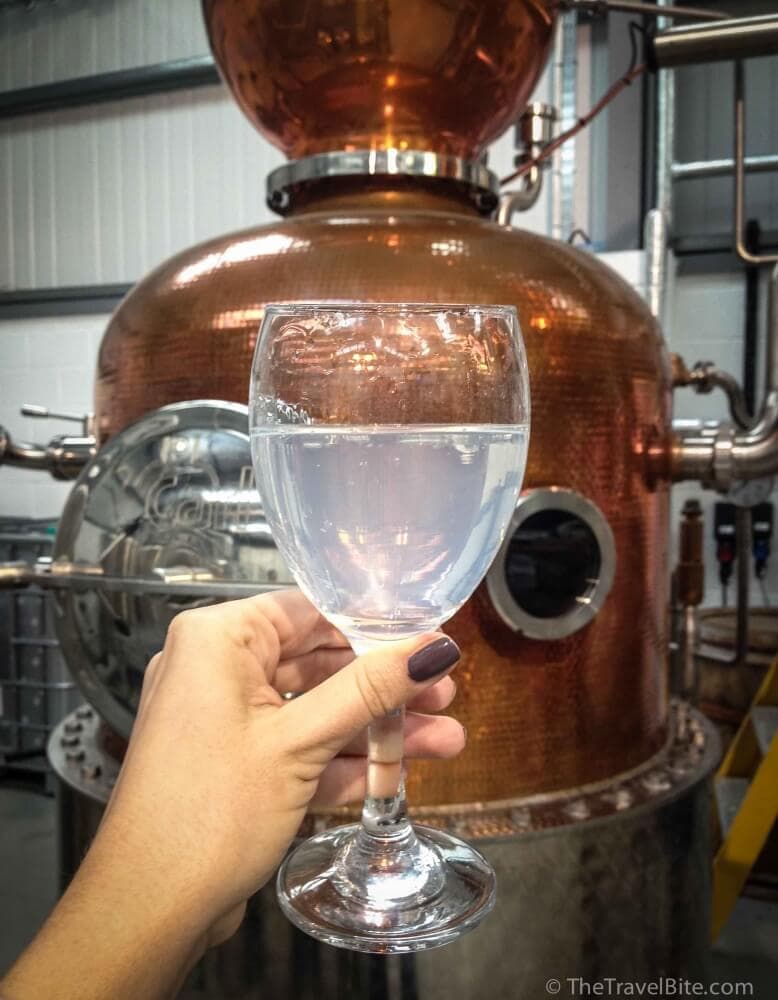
(433, 659)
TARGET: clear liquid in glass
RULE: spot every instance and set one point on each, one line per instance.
(388, 529)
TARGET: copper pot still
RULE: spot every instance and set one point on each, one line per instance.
(584, 786)
(558, 692)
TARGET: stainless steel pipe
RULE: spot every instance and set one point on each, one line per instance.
(521, 200)
(720, 460)
(642, 7)
(696, 169)
(63, 457)
(771, 350)
(737, 38)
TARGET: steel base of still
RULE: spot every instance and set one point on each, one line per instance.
(607, 880)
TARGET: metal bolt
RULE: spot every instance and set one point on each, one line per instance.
(521, 819)
(578, 810)
(70, 741)
(620, 799)
(656, 783)
(72, 726)
(91, 771)
(85, 712)
(74, 755)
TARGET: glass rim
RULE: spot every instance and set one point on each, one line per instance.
(357, 306)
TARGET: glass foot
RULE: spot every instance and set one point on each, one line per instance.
(420, 889)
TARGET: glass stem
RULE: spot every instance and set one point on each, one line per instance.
(384, 813)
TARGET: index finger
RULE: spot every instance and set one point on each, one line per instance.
(299, 625)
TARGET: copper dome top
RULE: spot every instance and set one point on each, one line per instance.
(441, 75)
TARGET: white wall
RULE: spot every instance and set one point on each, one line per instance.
(42, 42)
(102, 194)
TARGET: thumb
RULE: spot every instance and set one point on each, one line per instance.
(367, 689)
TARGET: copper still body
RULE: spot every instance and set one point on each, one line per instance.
(540, 716)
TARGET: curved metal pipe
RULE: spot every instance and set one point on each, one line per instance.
(717, 378)
(521, 200)
(20, 453)
(704, 377)
(741, 247)
(63, 457)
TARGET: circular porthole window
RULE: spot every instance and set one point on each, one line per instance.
(556, 565)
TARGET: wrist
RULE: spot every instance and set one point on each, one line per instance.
(156, 884)
(121, 930)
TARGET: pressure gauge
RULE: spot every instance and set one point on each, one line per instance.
(750, 492)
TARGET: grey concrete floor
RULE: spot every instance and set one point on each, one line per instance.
(747, 950)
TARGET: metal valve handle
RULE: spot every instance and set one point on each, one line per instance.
(86, 420)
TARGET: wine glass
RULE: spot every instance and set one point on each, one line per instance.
(389, 444)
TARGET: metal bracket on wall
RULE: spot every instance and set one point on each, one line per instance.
(139, 81)
(75, 300)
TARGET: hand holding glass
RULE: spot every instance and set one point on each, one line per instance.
(389, 443)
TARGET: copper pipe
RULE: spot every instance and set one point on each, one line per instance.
(740, 156)
(691, 565)
(610, 94)
(689, 589)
